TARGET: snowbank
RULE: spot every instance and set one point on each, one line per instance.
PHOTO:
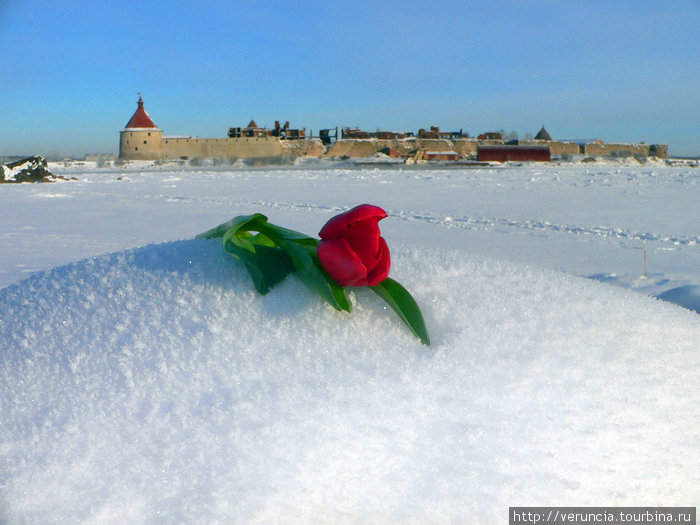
(156, 386)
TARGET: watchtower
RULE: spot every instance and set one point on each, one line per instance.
(140, 139)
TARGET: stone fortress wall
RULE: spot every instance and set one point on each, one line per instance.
(468, 148)
(137, 144)
(141, 139)
(224, 147)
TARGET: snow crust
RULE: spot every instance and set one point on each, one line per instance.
(154, 385)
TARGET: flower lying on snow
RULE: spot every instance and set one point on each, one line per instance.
(351, 253)
(351, 249)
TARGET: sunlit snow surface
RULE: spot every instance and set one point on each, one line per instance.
(591, 220)
(154, 385)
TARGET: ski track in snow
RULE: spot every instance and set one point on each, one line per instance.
(596, 176)
(484, 224)
(596, 232)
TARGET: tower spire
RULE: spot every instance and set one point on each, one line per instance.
(141, 119)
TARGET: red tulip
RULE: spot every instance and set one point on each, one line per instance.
(351, 248)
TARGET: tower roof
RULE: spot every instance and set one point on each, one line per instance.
(140, 119)
(543, 135)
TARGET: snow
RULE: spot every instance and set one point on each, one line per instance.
(10, 174)
(143, 380)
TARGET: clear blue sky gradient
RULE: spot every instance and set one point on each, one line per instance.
(618, 71)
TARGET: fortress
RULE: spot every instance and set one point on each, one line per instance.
(141, 139)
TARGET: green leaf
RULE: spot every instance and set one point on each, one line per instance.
(267, 267)
(263, 240)
(314, 278)
(274, 252)
(239, 232)
(403, 304)
(221, 229)
(339, 292)
(266, 263)
(285, 234)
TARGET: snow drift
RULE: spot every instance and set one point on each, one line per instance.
(156, 386)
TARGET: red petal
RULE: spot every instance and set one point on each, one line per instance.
(341, 263)
(381, 270)
(363, 237)
(337, 225)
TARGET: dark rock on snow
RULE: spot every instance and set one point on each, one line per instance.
(31, 169)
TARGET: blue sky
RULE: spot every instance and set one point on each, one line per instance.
(618, 71)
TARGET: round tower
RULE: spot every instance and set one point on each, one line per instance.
(140, 139)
